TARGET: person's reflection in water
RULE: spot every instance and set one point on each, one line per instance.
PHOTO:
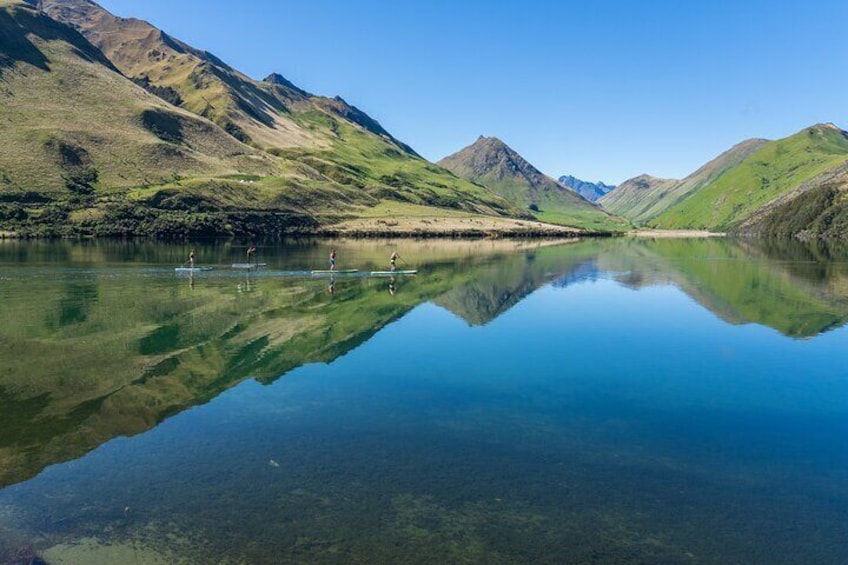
(332, 288)
(392, 287)
(245, 286)
(191, 280)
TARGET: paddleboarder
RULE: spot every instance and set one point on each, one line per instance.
(191, 258)
(394, 259)
(251, 254)
(333, 260)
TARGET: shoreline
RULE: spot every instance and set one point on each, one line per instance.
(328, 233)
(539, 231)
(660, 234)
(360, 228)
(405, 227)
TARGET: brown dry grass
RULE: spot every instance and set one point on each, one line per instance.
(451, 226)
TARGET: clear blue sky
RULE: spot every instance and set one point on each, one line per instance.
(601, 89)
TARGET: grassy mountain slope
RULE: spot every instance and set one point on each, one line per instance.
(493, 164)
(355, 157)
(772, 171)
(87, 151)
(72, 124)
(632, 196)
(259, 112)
(818, 209)
(643, 205)
(326, 135)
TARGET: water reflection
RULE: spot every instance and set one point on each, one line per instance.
(101, 340)
(114, 357)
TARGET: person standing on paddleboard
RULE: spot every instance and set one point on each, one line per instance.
(251, 254)
(191, 258)
(333, 260)
(394, 259)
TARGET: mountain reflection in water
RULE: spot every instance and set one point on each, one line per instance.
(101, 339)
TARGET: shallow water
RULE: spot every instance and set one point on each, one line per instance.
(613, 401)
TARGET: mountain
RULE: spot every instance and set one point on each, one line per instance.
(630, 197)
(493, 164)
(141, 134)
(72, 123)
(591, 191)
(774, 170)
(818, 209)
(257, 112)
(645, 197)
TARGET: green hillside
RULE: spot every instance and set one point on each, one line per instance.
(772, 171)
(72, 125)
(327, 139)
(817, 210)
(645, 197)
(260, 113)
(85, 150)
(356, 157)
(634, 196)
(491, 163)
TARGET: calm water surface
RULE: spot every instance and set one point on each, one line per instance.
(615, 401)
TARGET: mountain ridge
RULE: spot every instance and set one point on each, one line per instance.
(796, 186)
(50, 67)
(769, 172)
(168, 167)
(492, 163)
(641, 199)
(591, 191)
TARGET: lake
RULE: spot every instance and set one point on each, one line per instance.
(599, 401)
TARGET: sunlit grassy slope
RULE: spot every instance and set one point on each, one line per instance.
(85, 150)
(642, 198)
(322, 144)
(72, 124)
(772, 171)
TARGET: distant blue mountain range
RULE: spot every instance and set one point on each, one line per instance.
(588, 190)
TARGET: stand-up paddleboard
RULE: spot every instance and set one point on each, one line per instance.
(392, 273)
(337, 272)
(249, 265)
(192, 269)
